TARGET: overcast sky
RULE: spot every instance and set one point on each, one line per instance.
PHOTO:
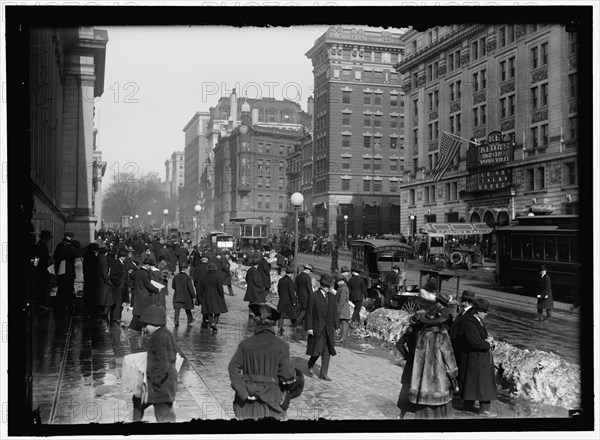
(156, 78)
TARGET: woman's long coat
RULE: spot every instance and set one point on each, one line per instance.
(544, 288)
(143, 291)
(211, 293)
(184, 292)
(322, 318)
(255, 292)
(264, 268)
(343, 306)
(258, 365)
(225, 272)
(287, 298)
(433, 366)
(477, 379)
(103, 293)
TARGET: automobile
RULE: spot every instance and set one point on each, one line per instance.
(422, 296)
(373, 260)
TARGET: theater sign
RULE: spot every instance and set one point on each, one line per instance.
(488, 164)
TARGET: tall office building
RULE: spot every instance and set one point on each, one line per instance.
(512, 90)
(357, 141)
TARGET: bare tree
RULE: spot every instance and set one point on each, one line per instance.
(129, 197)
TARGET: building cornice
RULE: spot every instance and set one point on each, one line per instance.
(442, 44)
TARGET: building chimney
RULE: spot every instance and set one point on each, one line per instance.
(233, 108)
(254, 116)
(310, 105)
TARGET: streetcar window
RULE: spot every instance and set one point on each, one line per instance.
(527, 247)
(574, 249)
(550, 248)
(538, 247)
(248, 231)
(515, 244)
(563, 249)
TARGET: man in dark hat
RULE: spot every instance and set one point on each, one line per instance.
(287, 299)
(544, 296)
(42, 260)
(321, 323)
(456, 332)
(303, 287)
(255, 291)
(64, 266)
(258, 394)
(118, 279)
(477, 379)
(391, 282)
(144, 293)
(358, 292)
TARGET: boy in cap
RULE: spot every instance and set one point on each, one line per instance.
(161, 372)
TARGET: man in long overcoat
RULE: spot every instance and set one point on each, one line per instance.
(118, 278)
(303, 284)
(90, 279)
(211, 290)
(358, 292)
(224, 271)
(321, 324)
(41, 274)
(544, 296)
(200, 272)
(477, 379)
(255, 291)
(104, 299)
(264, 268)
(260, 363)
(65, 252)
(184, 295)
(456, 330)
(143, 291)
(287, 298)
(342, 298)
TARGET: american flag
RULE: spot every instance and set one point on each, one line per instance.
(450, 146)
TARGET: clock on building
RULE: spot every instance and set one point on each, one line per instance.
(244, 129)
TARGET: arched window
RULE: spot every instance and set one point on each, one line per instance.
(475, 218)
(488, 218)
(503, 218)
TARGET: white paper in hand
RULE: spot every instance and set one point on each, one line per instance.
(157, 284)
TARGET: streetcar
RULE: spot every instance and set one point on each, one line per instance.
(251, 235)
(531, 241)
(373, 259)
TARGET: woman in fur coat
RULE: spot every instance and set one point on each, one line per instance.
(429, 376)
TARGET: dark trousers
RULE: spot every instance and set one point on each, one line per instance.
(541, 312)
(115, 312)
(163, 411)
(300, 318)
(230, 289)
(188, 312)
(356, 314)
(64, 294)
(135, 323)
(42, 290)
(324, 362)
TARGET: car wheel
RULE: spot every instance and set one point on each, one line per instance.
(410, 306)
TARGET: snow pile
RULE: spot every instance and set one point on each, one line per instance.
(532, 374)
(538, 375)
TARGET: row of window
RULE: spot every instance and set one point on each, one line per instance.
(430, 196)
(544, 247)
(374, 76)
(372, 121)
(374, 164)
(372, 98)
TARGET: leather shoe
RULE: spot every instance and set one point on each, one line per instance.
(327, 378)
(311, 372)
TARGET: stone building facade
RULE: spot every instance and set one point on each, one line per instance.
(510, 92)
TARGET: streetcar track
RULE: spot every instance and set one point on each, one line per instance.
(61, 373)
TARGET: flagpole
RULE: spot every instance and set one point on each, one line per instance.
(459, 137)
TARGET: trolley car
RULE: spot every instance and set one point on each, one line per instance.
(528, 242)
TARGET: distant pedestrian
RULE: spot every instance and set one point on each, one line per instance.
(143, 293)
(118, 279)
(303, 285)
(544, 296)
(343, 305)
(358, 292)
(287, 299)
(161, 371)
(213, 297)
(334, 259)
(255, 292)
(264, 268)
(64, 268)
(224, 271)
(477, 379)
(260, 364)
(184, 295)
(321, 323)
(104, 300)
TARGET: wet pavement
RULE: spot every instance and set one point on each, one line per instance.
(77, 367)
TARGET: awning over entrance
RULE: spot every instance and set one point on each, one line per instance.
(456, 228)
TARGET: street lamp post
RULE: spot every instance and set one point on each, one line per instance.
(197, 208)
(149, 213)
(166, 212)
(346, 232)
(137, 218)
(296, 199)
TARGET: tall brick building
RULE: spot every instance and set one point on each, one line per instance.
(250, 159)
(66, 75)
(513, 89)
(358, 124)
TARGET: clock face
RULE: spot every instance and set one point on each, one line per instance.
(244, 129)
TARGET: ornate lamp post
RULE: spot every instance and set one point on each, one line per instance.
(137, 218)
(149, 214)
(346, 232)
(166, 212)
(197, 208)
(296, 199)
